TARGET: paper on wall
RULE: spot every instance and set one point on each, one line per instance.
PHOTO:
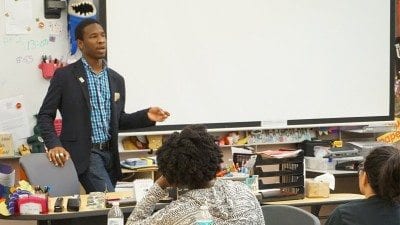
(18, 16)
(13, 118)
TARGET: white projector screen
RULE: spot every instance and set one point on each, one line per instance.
(255, 63)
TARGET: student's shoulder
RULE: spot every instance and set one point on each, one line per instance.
(352, 204)
(230, 186)
(178, 211)
(346, 213)
(353, 208)
(231, 183)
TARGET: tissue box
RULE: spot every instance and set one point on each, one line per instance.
(317, 189)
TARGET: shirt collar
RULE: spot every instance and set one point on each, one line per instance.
(86, 64)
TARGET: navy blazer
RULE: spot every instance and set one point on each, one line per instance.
(68, 92)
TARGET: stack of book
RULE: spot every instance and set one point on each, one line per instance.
(139, 163)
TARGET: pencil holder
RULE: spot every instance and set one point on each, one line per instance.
(33, 204)
(47, 69)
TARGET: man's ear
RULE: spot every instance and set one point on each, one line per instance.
(80, 44)
(364, 178)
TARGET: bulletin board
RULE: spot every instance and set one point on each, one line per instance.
(23, 41)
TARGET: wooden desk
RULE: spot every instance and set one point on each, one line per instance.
(85, 215)
(90, 216)
(335, 172)
(316, 203)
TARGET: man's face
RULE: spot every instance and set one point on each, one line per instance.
(94, 43)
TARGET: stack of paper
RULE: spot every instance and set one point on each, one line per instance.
(281, 153)
(139, 163)
(124, 186)
(141, 186)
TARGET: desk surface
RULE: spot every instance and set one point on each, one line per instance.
(337, 173)
(332, 200)
(88, 212)
(334, 172)
(83, 210)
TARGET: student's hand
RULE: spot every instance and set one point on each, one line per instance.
(156, 114)
(58, 156)
(162, 182)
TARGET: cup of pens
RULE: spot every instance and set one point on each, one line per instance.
(47, 69)
(49, 66)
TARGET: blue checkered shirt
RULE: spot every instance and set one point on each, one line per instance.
(100, 102)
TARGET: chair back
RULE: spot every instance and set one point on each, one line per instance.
(63, 181)
(288, 215)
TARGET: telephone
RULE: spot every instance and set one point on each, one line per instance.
(351, 165)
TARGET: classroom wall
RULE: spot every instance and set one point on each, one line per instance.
(21, 54)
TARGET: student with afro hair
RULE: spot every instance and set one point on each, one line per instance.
(379, 181)
(190, 160)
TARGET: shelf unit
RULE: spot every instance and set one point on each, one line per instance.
(274, 143)
(266, 137)
(285, 174)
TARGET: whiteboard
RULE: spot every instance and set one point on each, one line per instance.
(20, 55)
(255, 62)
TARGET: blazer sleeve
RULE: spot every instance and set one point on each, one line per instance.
(48, 111)
(135, 120)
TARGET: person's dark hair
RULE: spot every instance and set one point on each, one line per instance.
(189, 159)
(84, 23)
(382, 166)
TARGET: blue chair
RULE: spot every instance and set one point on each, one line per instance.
(287, 215)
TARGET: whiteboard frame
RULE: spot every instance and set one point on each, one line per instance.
(297, 123)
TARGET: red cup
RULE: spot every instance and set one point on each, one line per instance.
(47, 69)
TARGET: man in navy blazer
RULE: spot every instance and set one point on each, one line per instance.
(91, 100)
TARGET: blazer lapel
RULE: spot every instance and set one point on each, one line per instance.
(112, 83)
(80, 75)
(111, 79)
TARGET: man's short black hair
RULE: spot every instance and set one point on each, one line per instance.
(84, 23)
(190, 159)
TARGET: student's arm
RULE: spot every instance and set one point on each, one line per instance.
(143, 210)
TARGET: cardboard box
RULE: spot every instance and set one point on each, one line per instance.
(317, 189)
(6, 145)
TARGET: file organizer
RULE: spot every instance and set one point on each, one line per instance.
(287, 175)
